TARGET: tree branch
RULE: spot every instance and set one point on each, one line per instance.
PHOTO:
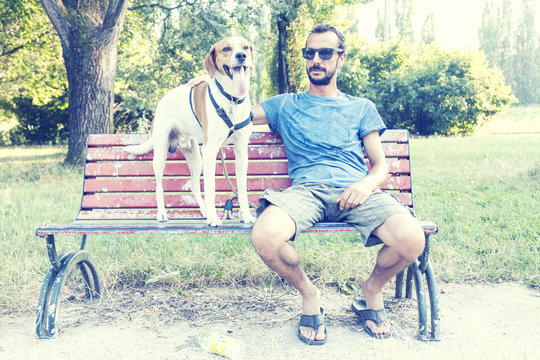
(115, 11)
(162, 7)
(57, 13)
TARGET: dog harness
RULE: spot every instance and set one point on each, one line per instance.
(221, 113)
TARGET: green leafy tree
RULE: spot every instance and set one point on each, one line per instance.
(513, 49)
(404, 11)
(30, 63)
(428, 30)
(426, 90)
(526, 82)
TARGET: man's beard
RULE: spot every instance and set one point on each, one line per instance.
(322, 81)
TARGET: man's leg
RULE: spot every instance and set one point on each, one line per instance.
(270, 236)
(404, 241)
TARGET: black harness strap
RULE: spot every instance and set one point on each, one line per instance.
(223, 115)
(230, 97)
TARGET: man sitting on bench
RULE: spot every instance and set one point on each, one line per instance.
(324, 132)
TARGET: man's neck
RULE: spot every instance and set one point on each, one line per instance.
(323, 90)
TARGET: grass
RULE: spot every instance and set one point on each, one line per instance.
(483, 191)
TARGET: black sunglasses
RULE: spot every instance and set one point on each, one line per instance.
(324, 53)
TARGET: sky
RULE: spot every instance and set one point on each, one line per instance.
(456, 21)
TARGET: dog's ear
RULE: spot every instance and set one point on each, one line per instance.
(210, 62)
(252, 52)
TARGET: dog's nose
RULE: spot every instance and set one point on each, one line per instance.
(240, 56)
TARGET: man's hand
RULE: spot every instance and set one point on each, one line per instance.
(198, 79)
(354, 195)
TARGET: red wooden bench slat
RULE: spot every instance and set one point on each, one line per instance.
(177, 184)
(396, 166)
(254, 152)
(142, 200)
(140, 184)
(256, 138)
(119, 154)
(179, 169)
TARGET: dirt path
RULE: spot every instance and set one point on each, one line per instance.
(477, 322)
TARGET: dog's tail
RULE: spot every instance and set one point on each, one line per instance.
(141, 148)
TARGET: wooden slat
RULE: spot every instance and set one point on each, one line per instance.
(179, 226)
(179, 168)
(142, 200)
(254, 153)
(148, 184)
(141, 184)
(389, 135)
(119, 154)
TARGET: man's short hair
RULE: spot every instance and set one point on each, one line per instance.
(322, 28)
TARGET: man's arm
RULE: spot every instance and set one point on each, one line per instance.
(259, 116)
(357, 193)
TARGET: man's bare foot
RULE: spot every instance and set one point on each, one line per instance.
(311, 306)
(374, 301)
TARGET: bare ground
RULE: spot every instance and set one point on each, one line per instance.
(499, 321)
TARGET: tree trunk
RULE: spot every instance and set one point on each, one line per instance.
(89, 33)
(91, 70)
(283, 74)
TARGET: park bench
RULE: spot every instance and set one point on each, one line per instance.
(118, 199)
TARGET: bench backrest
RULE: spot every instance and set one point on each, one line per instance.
(119, 185)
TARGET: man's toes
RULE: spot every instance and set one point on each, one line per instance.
(320, 334)
(307, 332)
(380, 329)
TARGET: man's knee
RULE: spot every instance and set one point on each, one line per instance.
(270, 231)
(415, 242)
(403, 233)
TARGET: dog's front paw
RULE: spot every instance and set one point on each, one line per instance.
(213, 220)
(162, 216)
(247, 217)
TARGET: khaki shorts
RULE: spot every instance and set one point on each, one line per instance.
(311, 203)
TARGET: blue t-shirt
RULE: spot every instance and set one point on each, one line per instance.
(323, 135)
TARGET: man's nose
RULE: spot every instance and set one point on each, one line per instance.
(240, 56)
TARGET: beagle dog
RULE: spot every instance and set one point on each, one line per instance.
(213, 113)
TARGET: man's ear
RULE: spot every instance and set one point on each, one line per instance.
(210, 62)
(341, 60)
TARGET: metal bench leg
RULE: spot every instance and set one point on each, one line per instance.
(399, 284)
(421, 300)
(52, 289)
(433, 302)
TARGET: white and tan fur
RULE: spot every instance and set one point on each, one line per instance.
(174, 125)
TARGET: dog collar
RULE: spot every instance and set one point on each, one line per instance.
(229, 97)
(223, 115)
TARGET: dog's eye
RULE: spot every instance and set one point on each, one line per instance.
(246, 47)
(227, 49)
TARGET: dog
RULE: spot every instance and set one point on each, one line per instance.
(214, 113)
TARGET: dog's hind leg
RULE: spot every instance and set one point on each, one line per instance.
(190, 148)
(160, 156)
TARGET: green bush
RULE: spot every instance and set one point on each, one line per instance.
(426, 90)
(39, 124)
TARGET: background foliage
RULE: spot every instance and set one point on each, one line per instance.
(417, 86)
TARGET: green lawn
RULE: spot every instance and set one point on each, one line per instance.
(483, 191)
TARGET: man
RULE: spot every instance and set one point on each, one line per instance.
(324, 132)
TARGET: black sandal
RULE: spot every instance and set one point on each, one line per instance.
(359, 307)
(314, 322)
